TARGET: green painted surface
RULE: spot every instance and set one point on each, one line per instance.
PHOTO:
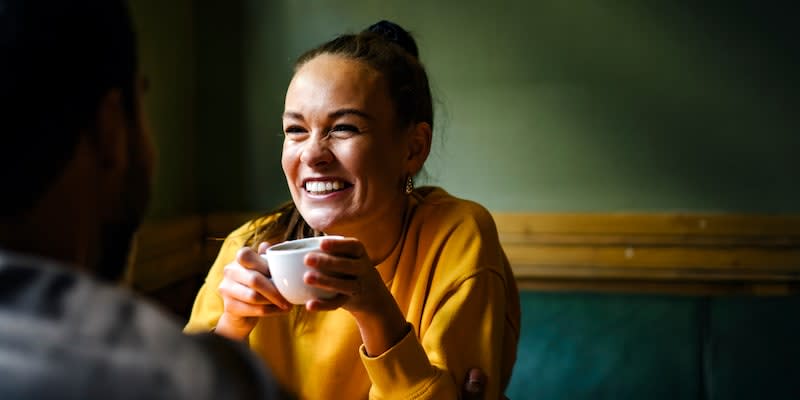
(553, 106)
(221, 164)
(541, 106)
(167, 58)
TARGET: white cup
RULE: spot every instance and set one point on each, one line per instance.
(287, 269)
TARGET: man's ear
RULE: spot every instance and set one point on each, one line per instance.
(419, 146)
(109, 134)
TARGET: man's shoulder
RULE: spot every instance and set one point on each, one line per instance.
(88, 339)
(78, 308)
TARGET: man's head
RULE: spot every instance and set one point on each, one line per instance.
(70, 95)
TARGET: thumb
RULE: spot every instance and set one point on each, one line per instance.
(475, 385)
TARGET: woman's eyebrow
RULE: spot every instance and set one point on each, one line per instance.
(346, 111)
(293, 115)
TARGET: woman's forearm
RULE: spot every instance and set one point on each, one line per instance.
(381, 326)
(232, 330)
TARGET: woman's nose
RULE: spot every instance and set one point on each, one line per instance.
(316, 152)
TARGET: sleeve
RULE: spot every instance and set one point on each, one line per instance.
(208, 304)
(237, 372)
(465, 333)
(465, 328)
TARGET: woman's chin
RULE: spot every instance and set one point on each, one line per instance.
(322, 221)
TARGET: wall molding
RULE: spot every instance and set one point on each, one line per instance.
(652, 253)
(673, 253)
(168, 251)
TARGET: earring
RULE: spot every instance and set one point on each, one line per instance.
(409, 185)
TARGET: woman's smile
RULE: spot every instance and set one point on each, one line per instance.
(320, 187)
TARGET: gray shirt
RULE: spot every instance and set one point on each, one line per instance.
(65, 336)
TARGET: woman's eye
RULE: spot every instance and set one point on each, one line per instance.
(293, 129)
(344, 129)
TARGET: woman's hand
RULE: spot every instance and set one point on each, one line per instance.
(247, 294)
(343, 266)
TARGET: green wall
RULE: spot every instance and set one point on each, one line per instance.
(222, 165)
(541, 105)
(167, 58)
(554, 106)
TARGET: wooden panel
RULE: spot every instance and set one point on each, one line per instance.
(218, 226)
(158, 237)
(684, 288)
(173, 250)
(685, 261)
(167, 252)
(678, 253)
(168, 269)
(662, 253)
(652, 224)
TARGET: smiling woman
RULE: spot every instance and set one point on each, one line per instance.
(416, 267)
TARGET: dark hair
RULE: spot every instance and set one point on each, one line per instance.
(59, 58)
(391, 51)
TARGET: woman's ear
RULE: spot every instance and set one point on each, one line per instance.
(419, 146)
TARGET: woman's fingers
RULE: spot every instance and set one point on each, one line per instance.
(349, 286)
(247, 294)
(236, 290)
(243, 309)
(326, 304)
(347, 247)
(255, 281)
(249, 259)
(336, 265)
(255, 275)
(342, 267)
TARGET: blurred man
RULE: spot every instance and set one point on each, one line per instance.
(76, 162)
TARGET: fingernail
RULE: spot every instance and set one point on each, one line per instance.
(475, 375)
(311, 259)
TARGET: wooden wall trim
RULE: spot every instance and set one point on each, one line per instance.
(653, 253)
(167, 252)
(680, 253)
(747, 225)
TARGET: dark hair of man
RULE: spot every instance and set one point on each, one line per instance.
(58, 59)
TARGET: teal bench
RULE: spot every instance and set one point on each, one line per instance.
(615, 346)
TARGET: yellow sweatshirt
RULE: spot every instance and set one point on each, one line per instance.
(452, 282)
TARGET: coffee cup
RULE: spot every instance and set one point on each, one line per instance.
(287, 267)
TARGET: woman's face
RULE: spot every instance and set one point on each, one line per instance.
(344, 159)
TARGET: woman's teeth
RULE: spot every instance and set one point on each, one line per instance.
(319, 187)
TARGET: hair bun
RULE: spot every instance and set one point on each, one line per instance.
(395, 34)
